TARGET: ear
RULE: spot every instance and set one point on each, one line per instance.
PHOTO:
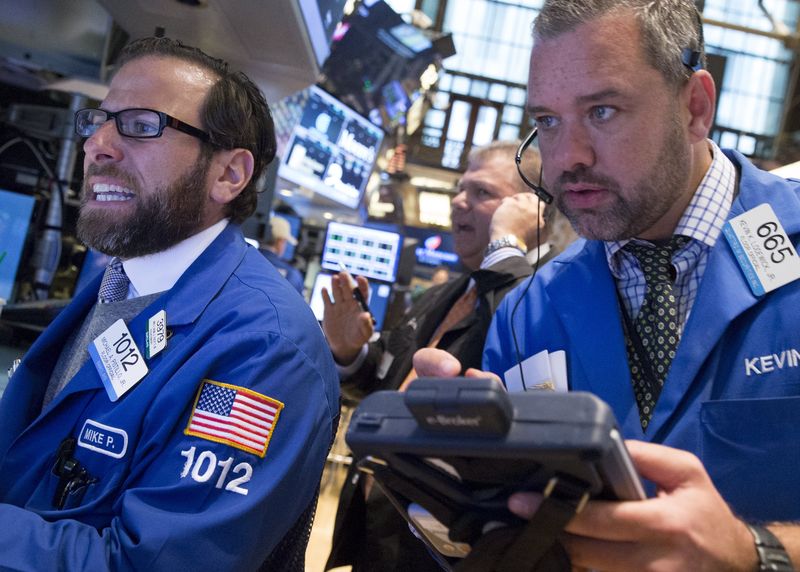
(232, 171)
(701, 98)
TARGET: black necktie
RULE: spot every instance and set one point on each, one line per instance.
(654, 341)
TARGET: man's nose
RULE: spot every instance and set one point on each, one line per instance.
(572, 148)
(104, 145)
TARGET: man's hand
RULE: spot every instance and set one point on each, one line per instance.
(518, 215)
(432, 362)
(687, 526)
(347, 327)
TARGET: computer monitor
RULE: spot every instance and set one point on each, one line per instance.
(15, 217)
(321, 18)
(332, 150)
(434, 247)
(379, 296)
(364, 251)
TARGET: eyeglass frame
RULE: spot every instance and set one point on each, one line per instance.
(165, 120)
(538, 190)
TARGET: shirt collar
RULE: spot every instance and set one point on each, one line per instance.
(160, 271)
(707, 211)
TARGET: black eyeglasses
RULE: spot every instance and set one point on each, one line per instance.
(138, 123)
(537, 189)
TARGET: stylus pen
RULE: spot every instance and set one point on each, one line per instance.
(357, 292)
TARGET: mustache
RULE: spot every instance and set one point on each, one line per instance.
(95, 170)
(586, 176)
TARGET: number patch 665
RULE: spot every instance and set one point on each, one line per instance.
(206, 466)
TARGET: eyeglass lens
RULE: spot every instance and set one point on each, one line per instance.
(138, 123)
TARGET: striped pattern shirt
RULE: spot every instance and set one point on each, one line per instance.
(702, 222)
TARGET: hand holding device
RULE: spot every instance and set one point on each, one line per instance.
(460, 447)
(688, 524)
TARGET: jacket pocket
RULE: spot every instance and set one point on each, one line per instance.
(751, 449)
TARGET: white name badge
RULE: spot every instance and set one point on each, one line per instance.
(156, 336)
(117, 359)
(763, 249)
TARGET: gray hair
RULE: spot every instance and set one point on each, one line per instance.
(531, 160)
(531, 163)
(667, 28)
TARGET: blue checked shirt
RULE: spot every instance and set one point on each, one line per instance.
(702, 222)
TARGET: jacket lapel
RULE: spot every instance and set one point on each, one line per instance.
(597, 362)
(724, 293)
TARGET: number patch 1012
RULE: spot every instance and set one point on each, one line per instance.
(206, 467)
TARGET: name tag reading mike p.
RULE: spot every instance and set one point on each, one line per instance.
(117, 359)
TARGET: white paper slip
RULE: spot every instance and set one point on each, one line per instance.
(558, 368)
(536, 372)
(117, 359)
(763, 249)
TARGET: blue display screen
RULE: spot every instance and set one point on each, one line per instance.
(15, 217)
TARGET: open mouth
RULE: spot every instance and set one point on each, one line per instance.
(104, 192)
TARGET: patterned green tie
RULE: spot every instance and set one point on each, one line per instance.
(657, 325)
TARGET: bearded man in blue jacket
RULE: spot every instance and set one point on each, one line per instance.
(680, 309)
(178, 413)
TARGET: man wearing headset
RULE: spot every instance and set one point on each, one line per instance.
(699, 359)
(491, 215)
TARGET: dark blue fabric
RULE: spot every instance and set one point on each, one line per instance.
(288, 271)
(172, 501)
(738, 353)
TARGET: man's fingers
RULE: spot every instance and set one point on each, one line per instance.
(363, 285)
(480, 374)
(432, 362)
(326, 298)
(667, 467)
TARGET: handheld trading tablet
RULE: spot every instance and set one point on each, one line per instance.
(449, 452)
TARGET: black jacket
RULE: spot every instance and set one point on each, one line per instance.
(372, 535)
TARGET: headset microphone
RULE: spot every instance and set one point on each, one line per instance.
(537, 189)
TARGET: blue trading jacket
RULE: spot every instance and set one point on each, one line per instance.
(732, 395)
(165, 498)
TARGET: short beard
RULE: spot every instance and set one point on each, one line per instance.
(652, 196)
(161, 219)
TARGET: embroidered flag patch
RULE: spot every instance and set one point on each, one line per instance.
(235, 416)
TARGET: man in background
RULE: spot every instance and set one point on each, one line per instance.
(178, 413)
(664, 311)
(495, 223)
(274, 247)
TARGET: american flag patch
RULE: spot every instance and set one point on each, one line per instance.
(235, 416)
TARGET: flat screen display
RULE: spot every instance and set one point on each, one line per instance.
(15, 217)
(332, 150)
(379, 295)
(321, 17)
(364, 251)
(435, 247)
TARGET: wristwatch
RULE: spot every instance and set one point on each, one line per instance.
(772, 556)
(509, 240)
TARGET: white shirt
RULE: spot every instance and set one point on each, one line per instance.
(160, 271)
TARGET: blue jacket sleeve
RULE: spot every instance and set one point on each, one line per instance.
(186, 502)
